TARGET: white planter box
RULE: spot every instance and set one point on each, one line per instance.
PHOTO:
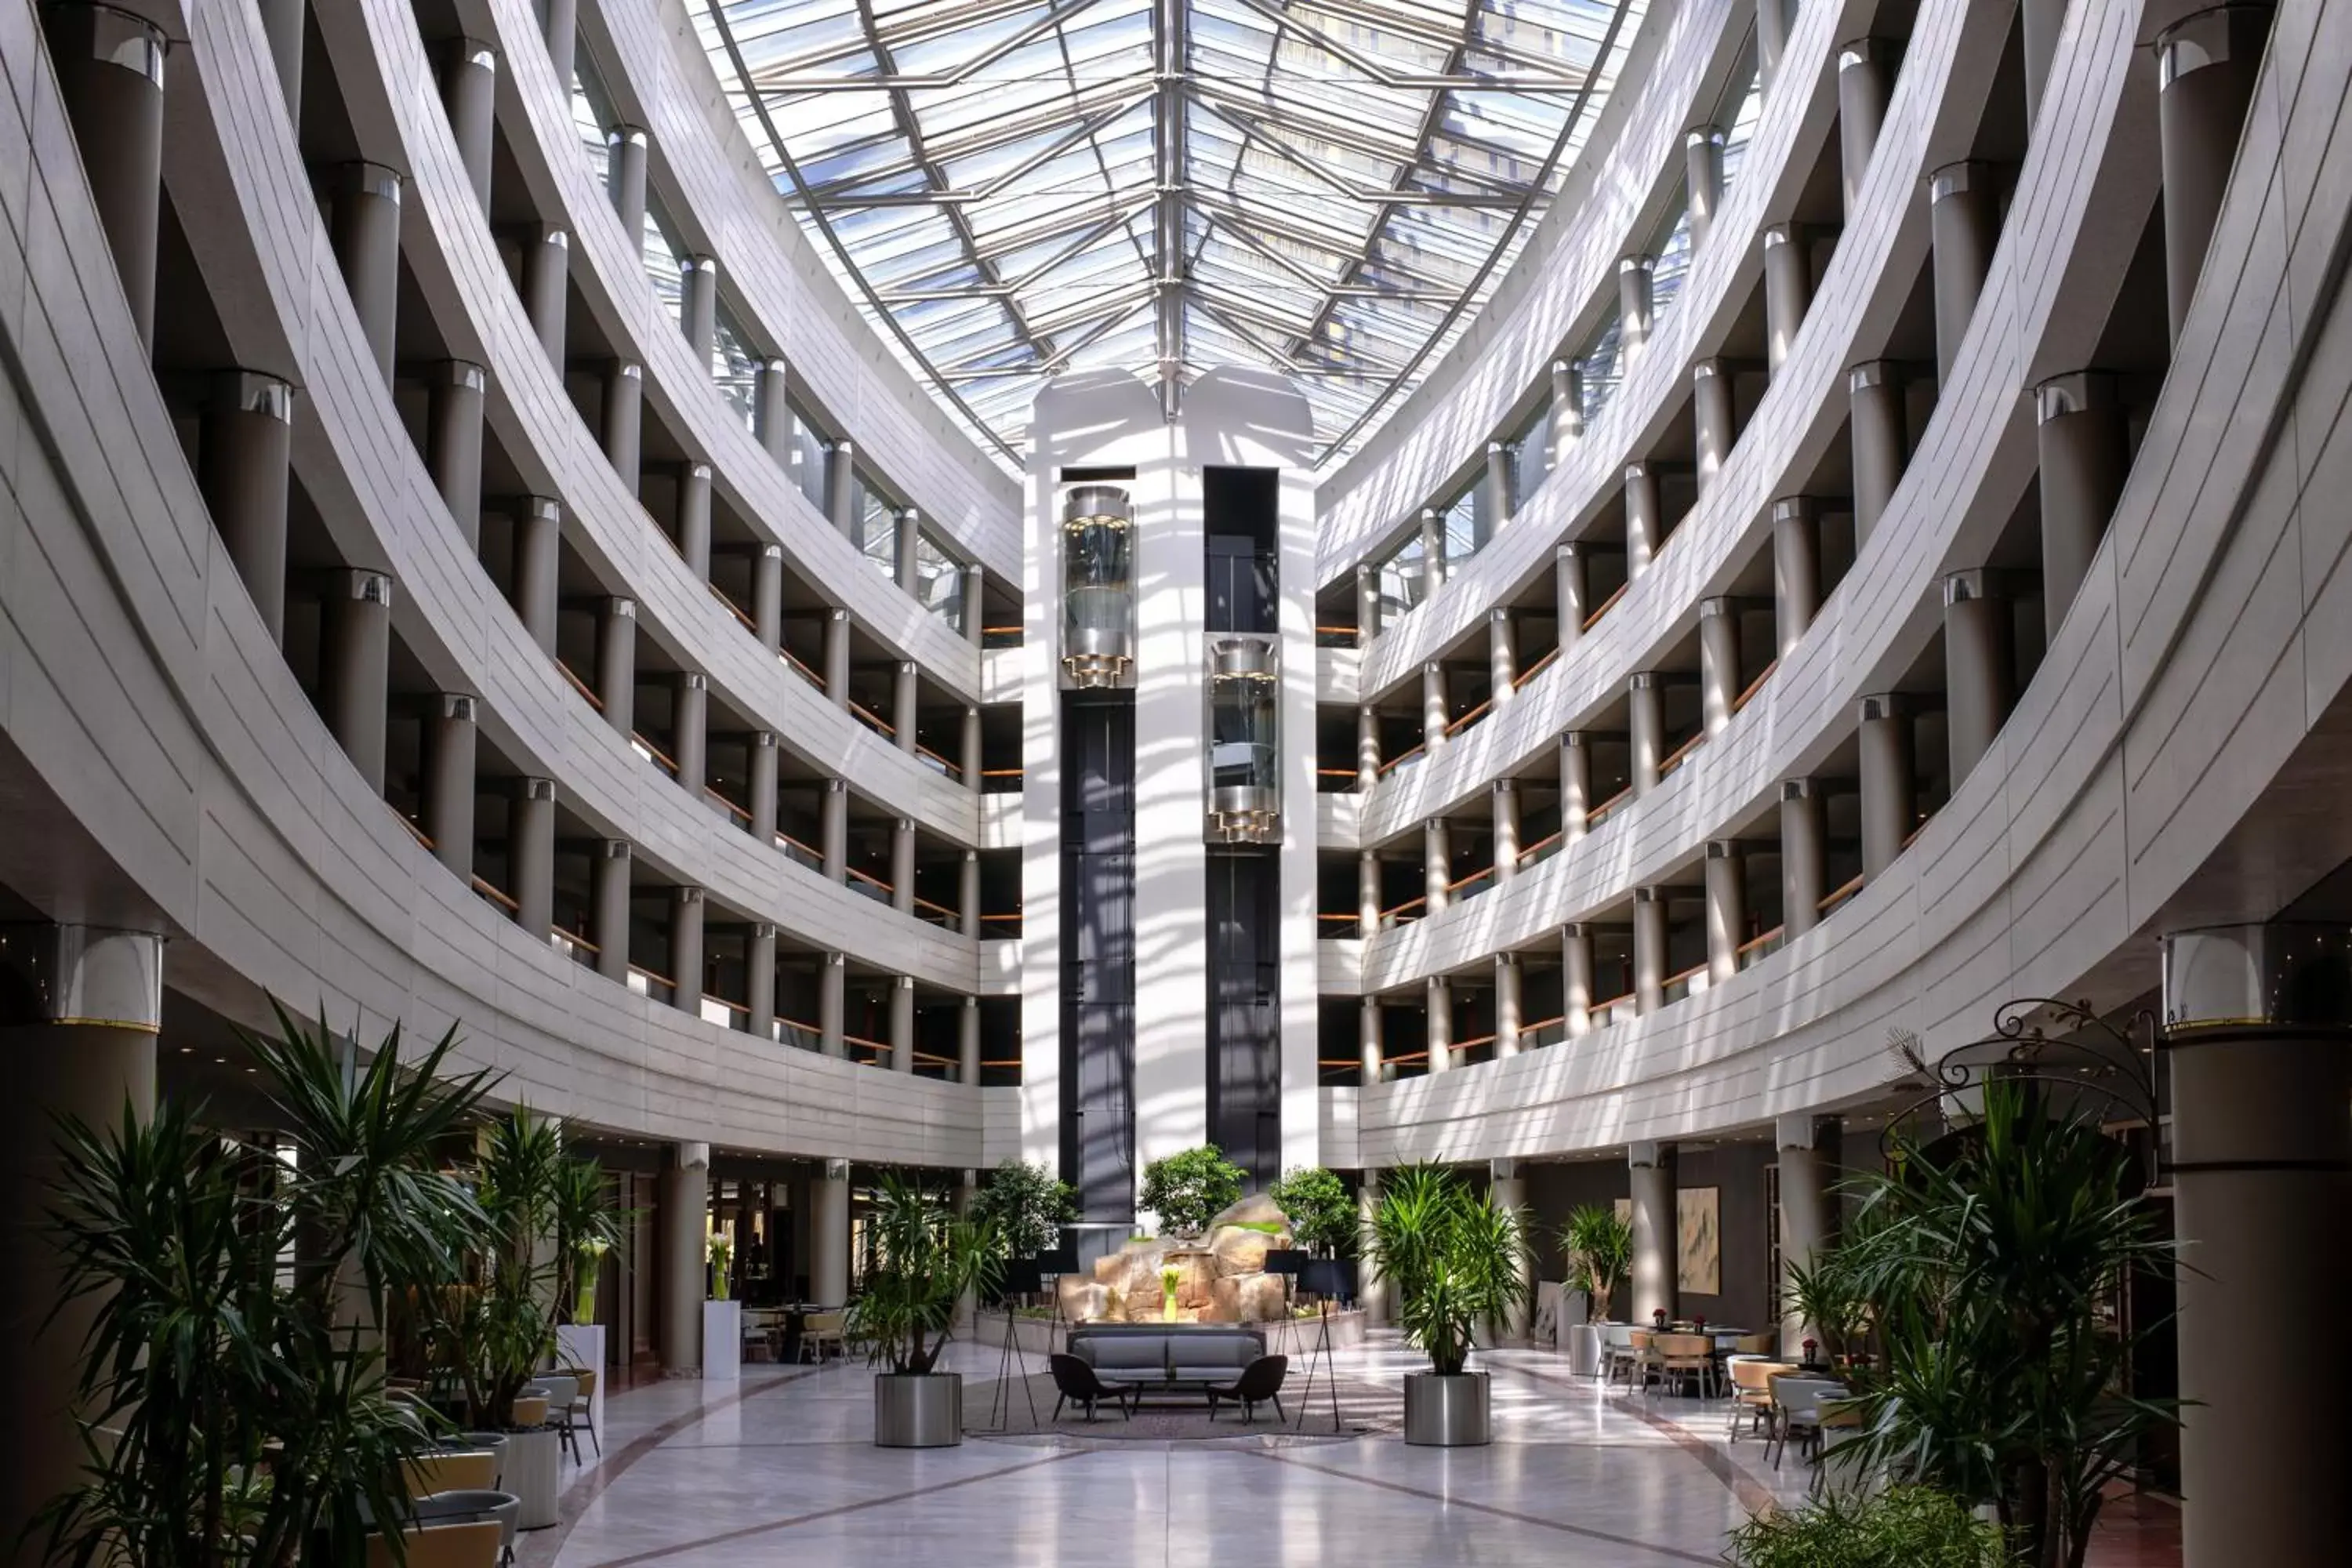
(723, 1341)
(534, 1473)
(582, 1344)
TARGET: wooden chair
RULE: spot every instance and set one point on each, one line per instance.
(1674, 1357)
(1751, 1393)
(474, 1544)
(583, 1410)
(1754, 1345)
(450, 1470)
(822, 1335)
(1616, 1351)
(1639, 1357)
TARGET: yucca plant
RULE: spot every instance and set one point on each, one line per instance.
(921, 1257)
(587, 1226)
(492, 1329)
(1600, 1248)
(1456, 1259)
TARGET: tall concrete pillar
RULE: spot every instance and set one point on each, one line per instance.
(1434, 564)
(1702, 178)
(1496, 481)
(1648, 949)
(1771, 39)
(1806, 1205)
(968, 1056)
(546, 286)
(608, 903)
(560, 22)
(616, 663)
(1890, 787)
(1787, 289)
(1368, 604)
(80, 1043)
(1576, 979)
(530, 854)
(1371, 1290)
(905, 705)
(1575, 785)
(1979, 666)
(1796, 570)
(760, 981)
(771, 417)
(2086, 453)
(1502, 658)
(2040, 22)
(109, 72)
(1655, 1230)
(1712, 417)
(469, 94)
(691, 710)
(355, 659)
(282, 23)
(1432, 707)
(2256, 1035)
(829, 1236)
(1568, 587)
(974, 753)
(1646, 523)
(686, 915)
(1804, 857)
(537, 570)
(1567, 409)
(698, 305)
(1964, 226)
(1876, 392)
(1727, 906)
(1505, 806)
(1645, 703)
(832, 1003)
(243, 446)
(681, 1226)
(906, 550)
(1438, 994)
(768, 595)
(1436, 865)
(841, 485)
(1865, 76)
(1719, 682)
(453, 443)
(450, 730)
(1506, 1004)
(832, 830)
(1369, 1046)
(2205, 66)
(902, 865)
(1635, 298)
(363, 226)
(624, 416)
(1367, 892)
(625, 177)
(1508, 1190)
(837, 656)
(693, 521)
(971, 912)
(1368, 749)
(902, 1024)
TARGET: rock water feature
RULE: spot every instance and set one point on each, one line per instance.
(1219, 1277)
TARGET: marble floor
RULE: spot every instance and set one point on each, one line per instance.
(779, 1469)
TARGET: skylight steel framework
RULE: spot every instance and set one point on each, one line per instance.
(1017, 188)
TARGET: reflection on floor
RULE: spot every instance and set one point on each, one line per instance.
(779, 1469)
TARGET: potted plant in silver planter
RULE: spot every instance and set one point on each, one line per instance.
(921, 1258)
(1456, 1261)
(1600, 1248)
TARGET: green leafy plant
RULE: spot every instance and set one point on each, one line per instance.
(1186, 1190)
(921, 1257)
(587, 1226)
(719, 1249)
(1455, 1259)
(1915, 1527)
(232, 1399)
(1600, 1248)
(1322, 1215)
(1026, 1205)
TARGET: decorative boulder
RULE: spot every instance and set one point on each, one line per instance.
(1257, 1209)
(1239, 1250)
(1083, 1301)
(1247, 1299)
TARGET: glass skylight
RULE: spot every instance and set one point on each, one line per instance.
(1018, 188)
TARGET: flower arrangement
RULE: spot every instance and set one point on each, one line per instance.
(1170, 1279)
(588, 1261)
(721, 1250)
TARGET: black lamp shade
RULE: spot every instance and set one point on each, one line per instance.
(1061, 1260)
(1023, 1277)
(1329, 1277)
(1286, 1260)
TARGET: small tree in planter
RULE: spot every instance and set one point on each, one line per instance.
(1456, 1259)
(1600, 1248)
(921, 1258)
(1321, 1214)
(1026, 1206)
(1188, 1190)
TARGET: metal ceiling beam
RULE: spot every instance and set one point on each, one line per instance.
(1171, 172)
(888, 75)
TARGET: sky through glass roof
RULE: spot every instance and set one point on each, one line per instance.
(1017, 188)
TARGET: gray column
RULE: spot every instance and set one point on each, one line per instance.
(1368, 750)
(906, 553)
(1507, 1189)
(538, 558)
(1645, 703)
(1889, 786)
(2261, 1175)
(1865, 76)
(690, 712)
(2086, 453)
(767, 596)
(2205, 66)
(616, 664)
(1367, 892)
(1506, 1004)
(1771, 39)
(1787, 289)
(832, 830)
(968, 1056)
(1718, 663)
(109, 71)
(1497, 483)
(762, 786)
(530, 854)
(2040, 22)
(831, 998)
(904, 705)
(829, 1236)
(1370, 1051)
(1437, 995)
(902, 1024)
(1796, 570)
(1368, 604)
(546, 276)
(608, 903)
(1502, 659)
(1634, 301)
(1648, 949)
(282, 23)
(1875, 391)
(698, 305)
(969, 909)
(1805, 1208)
(841, 485)
(694, 518)
(975, 751)
(453, 443)
(1505, 806)
(1576, 979)
(469, 93)
(80, 1044)
(772, 408)
(1575, 785)
(837, 656)
(243, 446)
(975, 605)
(1979, 666)
(686, 906)
(1645, 523)
(681, 1218)
(355, 657)
(1703, 177)
(1727, 906)
(1433, 551)
(1371, 1290)
(1436, 865)
(560, 23)
(1567, 409)
(1804, 857)
(902, 865)
(1569, 592)
(1712, 419)
(624, 416)
(625, 178)
(1656, 1229)
(449, 735)
(1432, 707)
(760, 981)
(363, 224)
(1964, 225)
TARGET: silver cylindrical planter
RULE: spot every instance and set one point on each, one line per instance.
(918, 1410)
(1443, 1412)
(532, 1472)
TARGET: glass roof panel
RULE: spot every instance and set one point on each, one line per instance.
(1014, 188)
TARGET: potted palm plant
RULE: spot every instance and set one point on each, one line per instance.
(1600, 1248)
(587, 1226)
(1456, 1259)
(921, 1258)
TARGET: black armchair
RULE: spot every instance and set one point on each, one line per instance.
(1078, 1383)
(1260, 1382)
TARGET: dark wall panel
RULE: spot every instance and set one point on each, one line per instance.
(1099, 953)
(1245, 1011)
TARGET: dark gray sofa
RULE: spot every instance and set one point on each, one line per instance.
(1150, 1357)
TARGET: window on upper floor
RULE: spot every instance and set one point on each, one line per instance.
(736, 370)
(1672, 245)
(663, 253)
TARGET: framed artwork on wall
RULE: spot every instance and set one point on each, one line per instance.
(1698, 1241)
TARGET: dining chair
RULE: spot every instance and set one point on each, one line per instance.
(1617, 1351)
(584, 1407)
(822, 1335)
(449, 1470)
(562, 1392)
(1674, 1357)
(1755, 1344)
(1797, 1413)
(1751, 1393)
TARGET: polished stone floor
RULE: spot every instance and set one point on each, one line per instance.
(779, 1469)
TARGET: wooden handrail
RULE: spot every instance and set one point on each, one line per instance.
(1400, 909)
(662, 759)
(739, 813)
(1402, 758)
(999, 631)
(1481, 873)
(581, 685)
(1911, 837)
(733, 608)
(855, 875)
(1538, 846)
(784, 655)
(654, 976)
(1537, 668)
(1607, 604)
(952, 769)
(574, 938)
(1755, 942)
(731, 1006)
(1698, 968)
(1335, 773)
(1594, 815)
(1355, 633)
(922, 903)
(874, 720)
(1355, 919)
(1000, 773)
(1680, 754)
(489, 890)
(1472, 1043)
(1540, 1024)
(789, 843)
(413, 831)
(1470, 718)
(1755, 686)
(1841, 894)
(985, 918)
(1624, 1001)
